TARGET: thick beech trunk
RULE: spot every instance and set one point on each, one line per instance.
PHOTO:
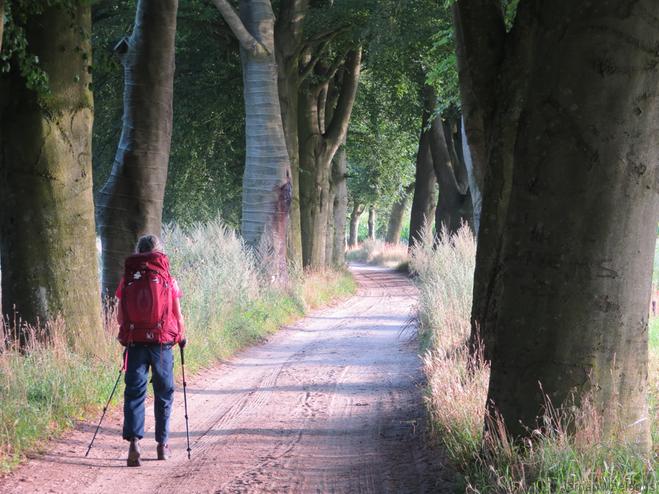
(288, 46)
(493, 71)
(131, 201)
(476, 197)
(454, 202)
(267, 187)
(322, 128)
(47, 236)
(2, 21)
(355, 216)
(371, 222)
(423, 202)
(575, 256)
(314, 180)
(395, 225)
(340, 208)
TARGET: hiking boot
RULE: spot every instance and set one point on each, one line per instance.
(134, 453)
(164, 453)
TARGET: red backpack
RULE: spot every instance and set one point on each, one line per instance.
(146, 300)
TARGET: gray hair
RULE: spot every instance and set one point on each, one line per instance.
(148, 243)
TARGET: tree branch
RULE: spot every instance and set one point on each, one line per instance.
(311, 65)
(339, 126)
(246, 40)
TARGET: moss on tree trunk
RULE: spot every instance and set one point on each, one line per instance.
(47, 241)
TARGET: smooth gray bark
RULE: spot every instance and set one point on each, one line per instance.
(267, 187)
(131, 201)
(476, 197)
(355, 216)
(340, 193)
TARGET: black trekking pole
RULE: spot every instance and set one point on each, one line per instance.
(124, 364)
(185, 400)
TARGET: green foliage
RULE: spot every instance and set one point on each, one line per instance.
(15, 46)
(381, 151)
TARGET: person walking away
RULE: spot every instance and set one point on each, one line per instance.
(150, 324)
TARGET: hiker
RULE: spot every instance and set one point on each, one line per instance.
(151, 323)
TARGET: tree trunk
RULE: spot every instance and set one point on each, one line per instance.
(314, 181)
(267, 187)
(578, 244)
(423, 202)
(330, 228)
(355, 215)
(2, 21)
(288, 46)
(322, 129)
(488, 79)
(395, 225)
(371, 222)
(476, 197)
(339, 182)
(454, 202)
(47, 239)
(131, 201)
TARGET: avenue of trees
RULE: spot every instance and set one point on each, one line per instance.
(535, 122)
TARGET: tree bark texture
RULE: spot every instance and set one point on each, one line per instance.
(453, 202)
(322, 128)
(398, 210)
(493, 71)
(47, 235)
(2, 21)
(355, 216)
(577, 250)
(131, 201)
(340, 209)
(267, 186)
(423, 201)
(371, 223)
(474, 190)
(288, 47)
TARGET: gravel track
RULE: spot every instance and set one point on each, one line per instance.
(330, 404)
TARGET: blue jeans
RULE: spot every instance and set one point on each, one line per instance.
(161, 360)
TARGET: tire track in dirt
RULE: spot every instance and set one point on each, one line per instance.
(332, 403)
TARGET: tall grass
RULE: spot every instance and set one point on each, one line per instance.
(553, 461)
(46, 386)
(379, 252)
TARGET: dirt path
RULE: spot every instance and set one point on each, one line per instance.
(330, 404)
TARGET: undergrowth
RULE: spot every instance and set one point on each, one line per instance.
(46, 387)
(554, 461)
